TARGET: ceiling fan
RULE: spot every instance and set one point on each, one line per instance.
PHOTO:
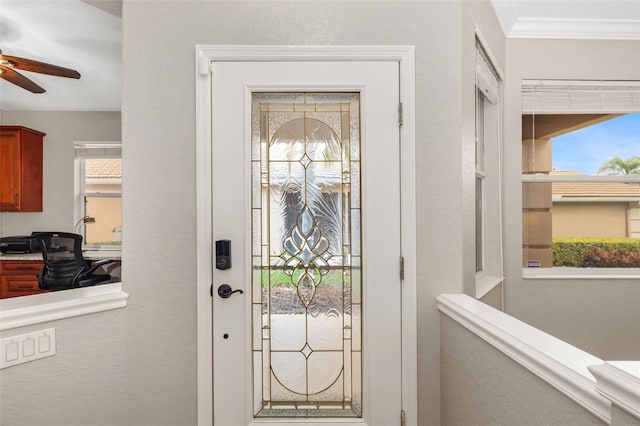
(9, 65)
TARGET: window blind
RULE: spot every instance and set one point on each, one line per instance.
(580, 97)
(98, 150)
(486, 76)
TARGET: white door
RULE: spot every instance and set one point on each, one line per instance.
(306, 187)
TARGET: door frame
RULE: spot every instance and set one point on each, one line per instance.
(204, 56)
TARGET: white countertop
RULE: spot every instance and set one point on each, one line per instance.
(20, 256)
(88, 254)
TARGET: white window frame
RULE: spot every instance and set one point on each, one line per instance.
(580, 97)
(488, 86)
(90, 150)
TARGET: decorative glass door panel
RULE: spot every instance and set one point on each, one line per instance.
(304, 181)
(306, 239)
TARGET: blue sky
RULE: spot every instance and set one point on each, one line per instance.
(585, 150)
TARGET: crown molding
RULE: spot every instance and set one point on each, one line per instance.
(587, 29)
(515, 26)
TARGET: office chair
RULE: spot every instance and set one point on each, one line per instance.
(64, 265)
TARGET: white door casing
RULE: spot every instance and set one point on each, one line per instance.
(234, 79)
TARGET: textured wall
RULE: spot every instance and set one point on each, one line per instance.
(62, 129)
(83, 384)
(145, 371)
(575, 220)
(159, 138)
(621, 417)
(482, 386)
(494, 297)
(601, 317)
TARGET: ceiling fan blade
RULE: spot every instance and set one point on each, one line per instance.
(18, 79)
(39, 67)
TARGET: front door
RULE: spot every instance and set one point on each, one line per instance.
(306, 193)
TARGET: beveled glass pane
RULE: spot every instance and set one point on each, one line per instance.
(256, 279)
(256, 201)
(305, 228)
(354, 129)
(255, 131)
(256, 222)
(355, 183)
(356, 335)
(354, 278)
(355, 230)
(257, 332)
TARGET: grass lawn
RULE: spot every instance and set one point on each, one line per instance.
(279, 277)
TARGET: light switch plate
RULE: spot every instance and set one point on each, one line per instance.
(23, 348)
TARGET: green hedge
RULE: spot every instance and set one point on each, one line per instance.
(585, 252)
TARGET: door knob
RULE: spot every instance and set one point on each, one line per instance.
(225, 291)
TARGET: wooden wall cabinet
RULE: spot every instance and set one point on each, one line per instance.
(19, 278)
(20, 169)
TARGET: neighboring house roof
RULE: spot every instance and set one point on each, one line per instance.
(592, 189)
(103, 168)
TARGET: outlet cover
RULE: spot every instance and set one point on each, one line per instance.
(23, 348)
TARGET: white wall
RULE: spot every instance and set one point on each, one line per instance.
(622, 417)
(145, 372)
(601, 317)
(483, 386)
(159, 146)
(138, 365)
(83, 384)
(62, 129)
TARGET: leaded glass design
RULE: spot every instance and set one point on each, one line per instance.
(306, 282)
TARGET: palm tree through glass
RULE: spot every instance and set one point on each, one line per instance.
(306, 257)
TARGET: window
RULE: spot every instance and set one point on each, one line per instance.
(98, 206)
(488, 221)
(581, 177)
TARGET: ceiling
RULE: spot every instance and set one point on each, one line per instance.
(83, 35)
(86, 35)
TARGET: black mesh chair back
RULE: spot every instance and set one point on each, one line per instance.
(64, 265)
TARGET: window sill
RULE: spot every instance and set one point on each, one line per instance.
(106, 248)
(38, 308)
(566, 273)
(485, 283)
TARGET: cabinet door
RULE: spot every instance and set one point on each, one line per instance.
(9, 170)
(19, 277)
(18, 285)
